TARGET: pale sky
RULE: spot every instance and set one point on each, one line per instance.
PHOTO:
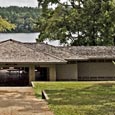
(29, 3)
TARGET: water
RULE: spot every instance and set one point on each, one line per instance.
(21, 3)
(24, 37)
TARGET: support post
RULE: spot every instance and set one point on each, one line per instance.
(52, 73)
(31, 74)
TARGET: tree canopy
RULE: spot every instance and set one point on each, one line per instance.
(79, 22)
(4, 25)
(23, 17)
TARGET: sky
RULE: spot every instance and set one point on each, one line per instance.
(21, 3)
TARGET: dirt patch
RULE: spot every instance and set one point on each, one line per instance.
(21, 101)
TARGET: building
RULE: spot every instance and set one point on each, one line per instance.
(22, 63)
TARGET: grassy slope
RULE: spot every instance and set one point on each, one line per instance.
(79, 98)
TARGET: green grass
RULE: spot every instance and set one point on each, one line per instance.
(79, 98)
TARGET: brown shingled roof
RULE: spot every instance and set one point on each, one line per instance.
(92, 52)
(76, 52)
(14, 51)
(53, 50)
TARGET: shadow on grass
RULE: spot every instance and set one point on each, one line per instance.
(98, 99)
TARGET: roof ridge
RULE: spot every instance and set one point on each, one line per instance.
(10, 40)
(59, 48)
(66, 50)
(48, 54)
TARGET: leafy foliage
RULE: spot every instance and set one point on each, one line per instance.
(81, 22)
(23, 17)
(4, 25)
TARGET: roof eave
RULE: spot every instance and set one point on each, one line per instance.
(32, 63)
(78, 59)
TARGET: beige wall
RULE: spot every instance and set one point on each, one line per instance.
(104, 69)
(52, 73)
(66, 72)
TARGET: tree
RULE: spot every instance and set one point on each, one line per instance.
(4, 25)
(81, 22)
(23, 17)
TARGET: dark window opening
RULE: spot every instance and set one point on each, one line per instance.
(41, 74)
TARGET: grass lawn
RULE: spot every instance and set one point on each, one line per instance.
(79, 98)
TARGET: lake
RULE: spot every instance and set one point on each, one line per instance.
(24, 37)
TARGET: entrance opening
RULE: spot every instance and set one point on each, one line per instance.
(41, 74)
(14, 76)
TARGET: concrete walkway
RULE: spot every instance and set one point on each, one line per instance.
(21, 101)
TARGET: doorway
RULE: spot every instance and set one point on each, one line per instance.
(41, 74)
